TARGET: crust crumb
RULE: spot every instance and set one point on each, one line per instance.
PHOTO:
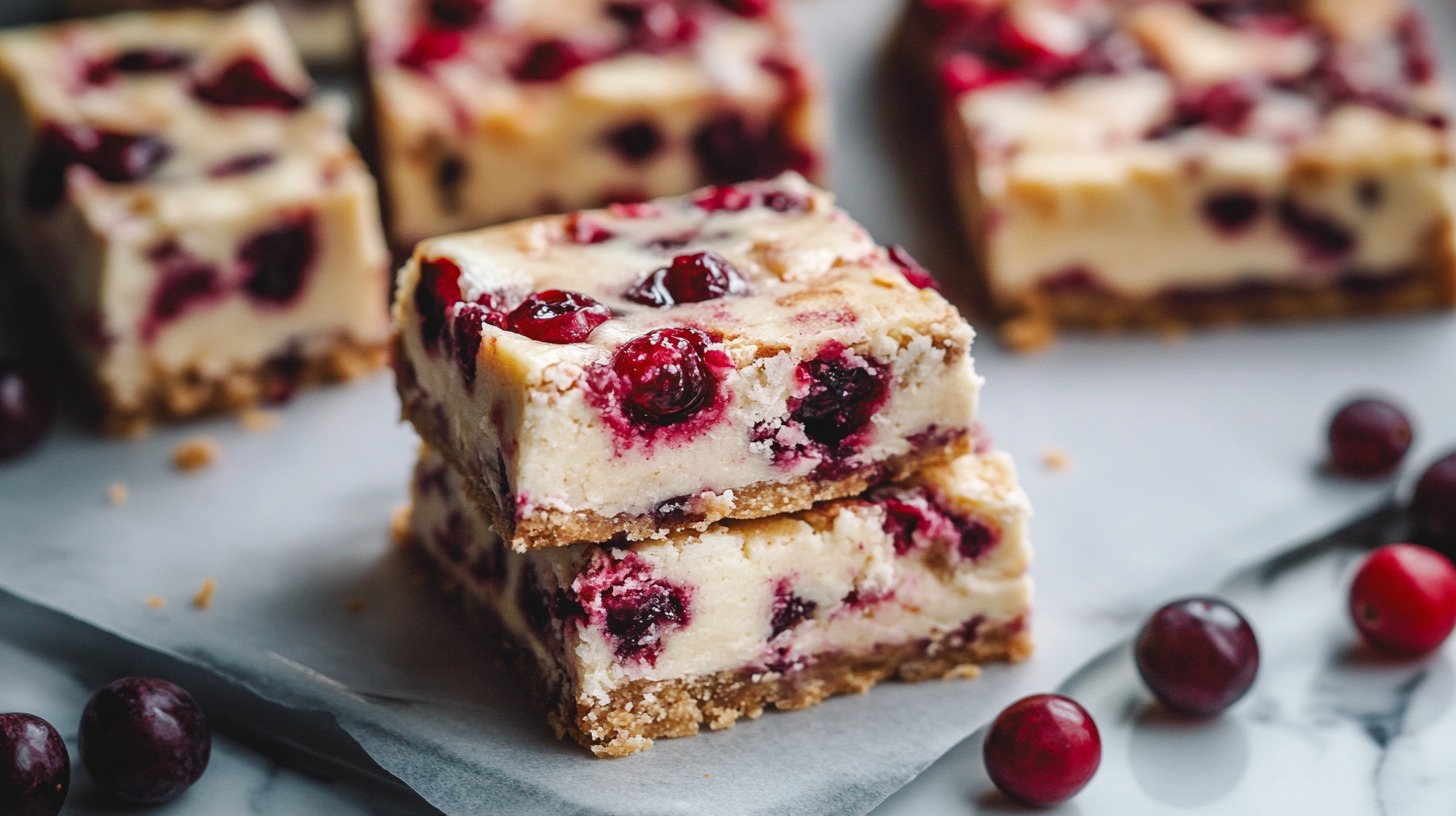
(203, 598)
(399, 524)
(195, 454)
(965, 671)
(117, 493)
(1028, 333)
(1055, 459)
(258, 420)
(354, 605)
(155, 602)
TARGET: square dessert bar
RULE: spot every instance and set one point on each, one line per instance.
(202, 228)
(323, 30)
(923, 579)
(1165, 162)
(736, 353)
(491, 111)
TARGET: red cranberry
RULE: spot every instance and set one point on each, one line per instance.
(457, 13)
(665, 375)
(35, 769)
(1321, 236)
(844, 392)
(144, 741)
(789, 609)
(1433, 507)
(917, 275)
(746, 8)
(429, 46)
(635, 606)
(241, 165)
(580, 230)
(137, 61)
(1368, 438)
(691, 278)
(961, 74)
(248, 83)
(636, 142)
(1198, 656)
(1232, 211)
(1415, 46)
(123, 157)
(465, 334)
(654, 26)
(1403, 599)
(183, 283)
(277, 260)
(27, 408)
(1042, 750)
(550, 60)
(728, 150)
(556, 316)
(437, 291)
(723, 199)
(974, 537)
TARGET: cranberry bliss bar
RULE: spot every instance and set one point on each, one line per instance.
(486, 112)
(917, 580)
(1167, 162)
(205, 234)
(323, 30)
(736, 353)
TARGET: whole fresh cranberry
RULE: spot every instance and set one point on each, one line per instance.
(27, 408)
(144, 741)
(691, 278)
(1403, 599)
(557, 316)
(665, 375)
(1042, 750)
(35, 770)
(1433, 506)
(1198, 656)
(1368, 438)
(247, 82)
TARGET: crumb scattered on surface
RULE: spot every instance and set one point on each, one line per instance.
(965, 671)
(399, 525)
(258, 419)
(1026, 334)
(1055, 459)
(203, 598)
(117, 493)
(195, 453)
(355, 605)
(156, 602)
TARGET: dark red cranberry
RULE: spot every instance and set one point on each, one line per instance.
(465, 332)
(242, 165)
(184, 282)
(550, 60)
(276, 261)
(633, 604)
(654, 26)
(785, 202)
(724, 199)
(1415, 48)
(1042, 750)
(917, 275)
(457, 13)
(138, 61)
(746, 8)
(691, 278)
(35, 769)
(636, 142)
(1403, 599)
(556, 316)
(1232, 211)
(961, 74)
(903, 519)
(436, 292)
(665, 375)
(1433, 506)
(247, 83)
(1225, 106)
(1321, 237)
(283, 374)
(27, 408)
(581, 230)
(1198, 656)
(144, 741)
(974, 537)
(429, 46)
(1368, 438)
(123, 157)
(727, 149)
(789, 609)
(844, 391)
(1369, 193)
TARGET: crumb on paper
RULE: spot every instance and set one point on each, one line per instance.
(1055, 459)
(258, 420)
(354, 605)
(399, 522)
(117, 493)
(195, 454)
(965, 671)
(156, 602)
(203, 598)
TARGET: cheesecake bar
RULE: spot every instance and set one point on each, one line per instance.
(322, 30)
(487, 112)
(1160, 163)
(197, 221)
(734, 353)
(923, 579)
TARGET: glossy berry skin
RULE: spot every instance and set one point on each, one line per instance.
(691, 278)
(1403, 599)
(27, 408)
(1198, 656)
(1042, 750)
(1368, 438)
(35, 769)
(144, 741)
(557, 316)
(665, 375)
(248, 83)
(1433, 506)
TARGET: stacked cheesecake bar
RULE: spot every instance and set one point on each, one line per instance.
(198, 223)
(1166, 162)
(704, 455)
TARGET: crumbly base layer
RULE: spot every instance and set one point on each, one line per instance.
(642, 711)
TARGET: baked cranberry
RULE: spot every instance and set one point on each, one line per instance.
(283, 373)
(746, 8)
(974, 537)
(723, 199)
(436, 292)
(1368, 438)
(1232, 211)
(1225, 106)
(635, 606)
(27, 408)
(1403, 599)
(276, 260)
(636, 142)
(144, 741)
(961, 74)
(457, 13)
(665, 375)
(1198, 656)
(557, 316)
(1415, 47)
(429, 46)
(247, 83)
(137, 61)
(785, 202)
(844, 391)
(183, 283)
(242, 165)
(905, 518)
(654, 26)
(691, 278)
(917, 275)
(465, 334)
(35, 769)
(580, 230)
(1042, 750)
(1433, 506)
(550, 60)
(789, 609)
(1321, 237)
(727, 149)
(124, 157)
